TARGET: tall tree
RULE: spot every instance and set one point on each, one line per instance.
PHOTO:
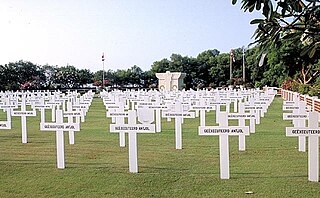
(135, 74)
(67, 77)
(206, 60)
(220, 70)
(296, 21)
(85, 76)
(285, 23)
(160, 66)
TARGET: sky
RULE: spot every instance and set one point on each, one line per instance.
(128, 32)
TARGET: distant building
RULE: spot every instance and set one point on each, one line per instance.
(170, 81)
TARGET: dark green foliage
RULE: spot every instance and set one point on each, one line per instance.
(286, 20)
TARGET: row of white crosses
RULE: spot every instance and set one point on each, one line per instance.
(223, 131)
(6, 106)
(10, 102)
(75, 109)
(116, 105)
(299, 116)
(180, 105)
(71, 105)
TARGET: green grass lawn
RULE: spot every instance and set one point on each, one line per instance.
(96, 166)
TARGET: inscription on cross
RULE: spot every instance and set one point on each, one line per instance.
(132, 128)
(313, 133)
(59, 127)
(23, 113)
(224, 131)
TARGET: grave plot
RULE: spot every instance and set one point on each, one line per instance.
(59, 127)
(299, 117)
(23, 113)
(118, 114)
(41, 106)
(312, 132)
(241, 116)
(223, 131)
(132, 128)
(178, 114)
(202, 106)
(156, 107)
(7, 107)
(71, 114)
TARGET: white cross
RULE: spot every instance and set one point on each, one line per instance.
(23, 113)
(312, 132)
(59, 127)
(223, 131)
(178, 115)
(132, 129)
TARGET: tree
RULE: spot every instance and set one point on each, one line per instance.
(85, 76)
(285, 23)
(160, 66)
(149, 79)
(2, 78)
(49, 72)
(220, 70)
(254, 72)
(206, 60)
(21, 75)
(135, 75)
(295, 21)
(67, 77)
(109, 78)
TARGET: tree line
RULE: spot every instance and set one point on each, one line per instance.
(209, 69)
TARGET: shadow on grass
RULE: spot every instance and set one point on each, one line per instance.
(10, 137)
(26, 162)
(263, 176)
(156, 170)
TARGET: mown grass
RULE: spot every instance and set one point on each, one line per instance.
(96, 166)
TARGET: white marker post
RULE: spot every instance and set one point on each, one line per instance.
(154, 106)
(223, 131)
(7, 124)
(59, 127)
(178, 115)
(53, 108)
(83, 109)
(132, 129)
(119, 116)
(299, 120)
(313, 132)
(42, 107)
(70, 115)
(254, 110)
(23, 113)
(217, 107)
(241, 117)
(203, 109)
(8, 108)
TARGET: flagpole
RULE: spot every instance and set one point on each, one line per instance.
(231, 60)
(103, 71)
(243, 65)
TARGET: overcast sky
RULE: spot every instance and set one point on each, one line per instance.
(129, 32)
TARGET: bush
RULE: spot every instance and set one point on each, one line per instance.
(304, 89)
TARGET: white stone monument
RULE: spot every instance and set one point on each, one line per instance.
(170, 81)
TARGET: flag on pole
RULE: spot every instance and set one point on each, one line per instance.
(232, 56)
(102, 56)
